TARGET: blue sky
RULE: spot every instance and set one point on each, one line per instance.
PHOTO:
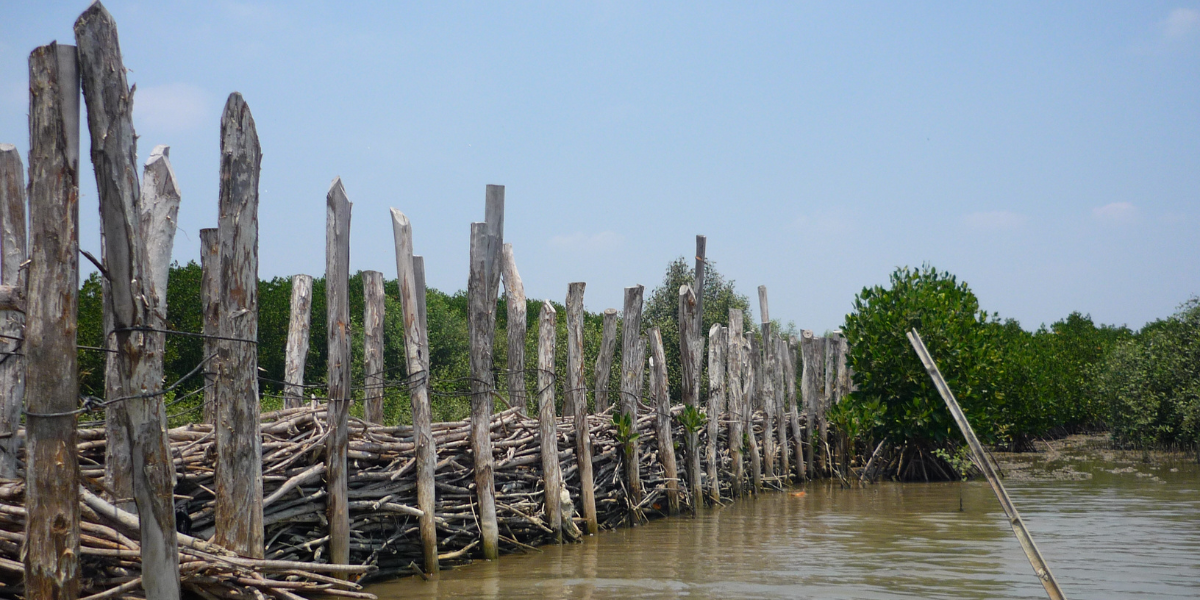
(1046, 153)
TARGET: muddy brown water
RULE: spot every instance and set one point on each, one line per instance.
(1111, 525)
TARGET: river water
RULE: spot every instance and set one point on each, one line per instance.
(1111, 526)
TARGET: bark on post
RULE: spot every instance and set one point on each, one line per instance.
(662, 409)
(410, 277)
(373, 374)
(577, 403)
(337, 303)
(479, 325)
(690, 349)
(547, 423)
(239, 522)
(296, 353)
(514, 290)
(716, 405)
(12, 322)
(51, 550)
(631, 377)
(608, 347)
(210, 307)
(733, 360)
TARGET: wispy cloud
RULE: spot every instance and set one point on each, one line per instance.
(591, 242)
(1115, 213)
(1181, 23)
(995, 220)
(172, 108)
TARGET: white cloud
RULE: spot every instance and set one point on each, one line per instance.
(172, 108)
(1181, 23)
(1115, 213)
(591, 242)
(995, 220)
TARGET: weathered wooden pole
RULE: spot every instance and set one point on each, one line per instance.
(51, 550)
(662, 409)
(210, 308)
(12, 322)
(828, 366)
(608, 347)
(698, 327)
(373, 374)
(777, 377)
(514, 290)
(337, 304)
(296, 352)
(765, 387)
(789, 374)
(479, 325)
(733, 366)
(410, 277)
(691, 347)
(716, 405)
(750, 387)
(239, 521)
(159, 207)
(547, 424)
(631, 382)
(808, 392)
(577, 404)
(640, 359)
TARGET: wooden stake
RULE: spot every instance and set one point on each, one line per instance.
(631, 378)
(577, 402)
(691, 347)
(410, 277)
(337, 303)
(12, 322)
(810, 396)
(733, 359)
(750, 389)
(716, 405)
(766, 384)
(514, 290)
(296, 353)
(210, 306)
(479, 325)
(662, 407)
(608, 347)
(373, 374)
(51, 549)
(698, 328)
(828, 348)
(777, 363)
(789, 370)
(547, 424)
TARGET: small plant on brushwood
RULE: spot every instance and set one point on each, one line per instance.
(625, 434)
(692, 420)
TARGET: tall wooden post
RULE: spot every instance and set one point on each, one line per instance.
(749, 396)
(733, 360)
(373, 374)
(51, 550)
(210, 308)
(479, 325)
(514, 291)
(777, 364)
(296, 352)
(239, 522)
(828, 349)
(337, 303)
(608, 347)
(690, 349)
(789, 371)
(159, 208)
(716, 405)
(698, 328)
(12, 322)
(662, 409)
(765, 386)
(577, 403)
(547, 424)
(631, 377)
(410, 277)
(809, 353)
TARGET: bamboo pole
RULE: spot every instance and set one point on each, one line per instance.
(410, 277)
(514, 291)
(12, 321)
(239, 522)
(1040, 568)
(478, 326)
(662, 407)
(577, 401)
(733, 360)
(547, 424)
(691, 347)
(373, 374)
(631, 378)
(296, 352)
(604, 360)
(337, 304)
(210, 307)
(716, 406)
(51, 549)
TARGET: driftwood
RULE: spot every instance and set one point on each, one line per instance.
(12, 320)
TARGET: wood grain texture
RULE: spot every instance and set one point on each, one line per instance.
(373, 373)
(604, 360)
(698, 328)
(12, 320)
(716, 407)
(811, 397)
(337, 307)
(296, 351)
(662, 411)
(547, 423)
(480, 324)
(777, 376)
(691, 347)
(790, 361)
(631, 383)
(577, 404)
(514, 291)
(733, 370)
(210, 308)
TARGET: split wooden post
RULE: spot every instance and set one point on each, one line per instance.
(239, 521)
(12, 322)
(716, 405)
(296, 353)
(733, 360)
(51, 549)
(410, 277)
(337, 303)
(789, 372)
(808, 392)
(514, 290)
(547, 423)
(690, 349)
(777, 368)
(662, 411)
(373, 374)
(608, 347)
(479, 325)
(159, 207)
(698, 327)
(643, 372)
(577, 404)
(631, 378)
(828, 358)
(210, 307)
(766, 394)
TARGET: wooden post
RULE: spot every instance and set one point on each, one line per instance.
(737, 436)
(716, 405)
(373, 374)
(337, 303)
(698, 328)
(411, 281)
(828, 358)
(296, 353)
(51, 549)
(631, 378)
(12, 322)
(808, 392)
(577, 402)
(789, 374)
(662, 409)
(690, 349)
(643, 373)
(514, 290)
(239, 524)
(766, 386)
(210, 307)
(608, 347)
(478, 326)
(748, 407)
(547, 424)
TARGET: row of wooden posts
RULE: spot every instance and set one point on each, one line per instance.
(38, 371)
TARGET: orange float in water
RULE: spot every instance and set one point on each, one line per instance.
(798, 494)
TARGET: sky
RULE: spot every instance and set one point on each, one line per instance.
(1048, 154)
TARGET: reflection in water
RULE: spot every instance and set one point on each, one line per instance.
(1112, 536)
